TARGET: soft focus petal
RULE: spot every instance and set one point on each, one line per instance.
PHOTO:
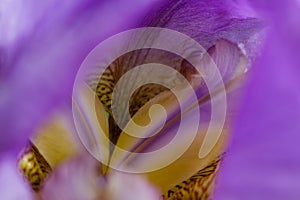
(37, 74)
(130, 187)
(15, 22)
(263, 161)
(80, 179)
(77, 179)
(12, 187)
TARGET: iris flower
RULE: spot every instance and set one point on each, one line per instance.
(42, 45)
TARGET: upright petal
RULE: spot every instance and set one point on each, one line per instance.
(207, 21)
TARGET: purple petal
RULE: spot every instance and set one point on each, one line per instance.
(12, 186)
(263, 161)
(79, 179)
(207, 21)
(76, 179)
(131, 187)
(40, 59)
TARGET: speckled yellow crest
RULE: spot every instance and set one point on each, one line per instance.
(34, 166)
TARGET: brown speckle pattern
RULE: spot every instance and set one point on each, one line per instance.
(34, 167)
(198, 187)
